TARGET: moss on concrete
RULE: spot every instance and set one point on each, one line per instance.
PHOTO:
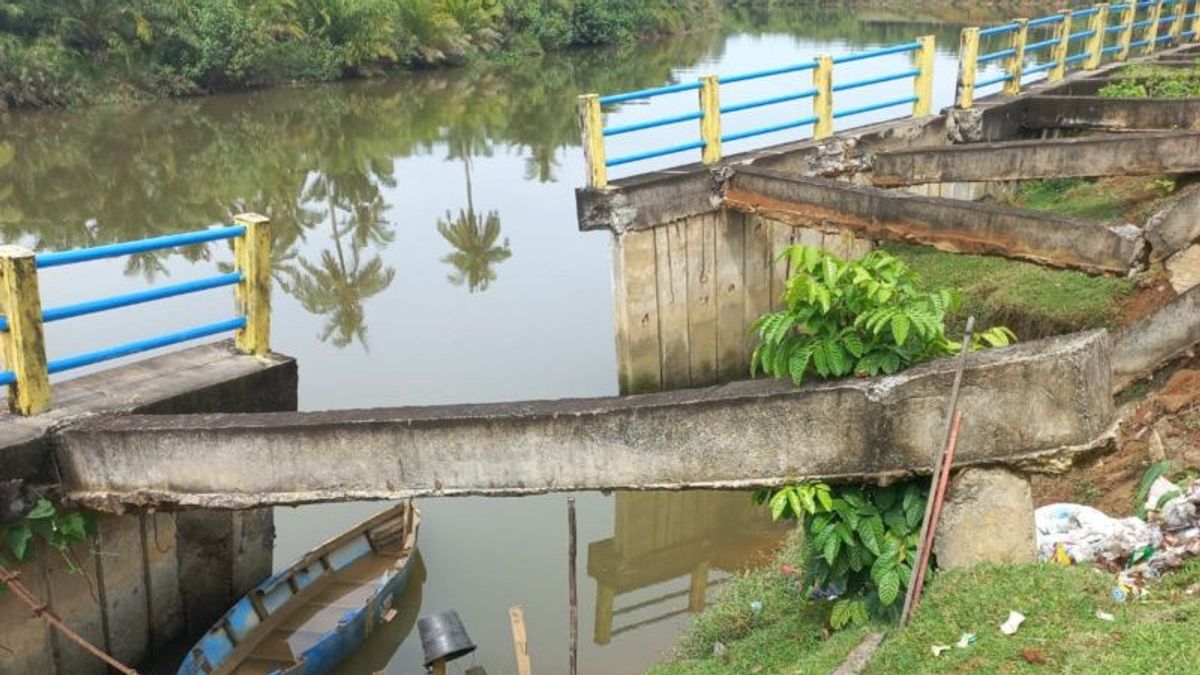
(1118, 199)
(1032, 300)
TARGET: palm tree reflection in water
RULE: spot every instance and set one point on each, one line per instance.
(474, 238)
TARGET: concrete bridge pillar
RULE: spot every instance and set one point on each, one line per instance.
(987, 517)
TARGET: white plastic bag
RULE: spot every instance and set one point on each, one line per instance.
(1088, 534)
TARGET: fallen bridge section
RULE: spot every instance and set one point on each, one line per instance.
(1132, 154)
(1020, 402)
(1097, 112)
(950, 224)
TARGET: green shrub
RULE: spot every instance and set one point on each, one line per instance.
(42, 73)
(865, 317)
(1147, 81)
(221, 46)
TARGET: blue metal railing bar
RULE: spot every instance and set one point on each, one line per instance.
(993, 80)
(1142, 24)
(873, 106)
(1166, 19)
(650, 124)
(882, 51)
(1038, 68)
(1034, 46)
(995, 56)
(1080, 35)
(1111, 50)
(1118, 8)
(876, 80)
(141, 246)
(1139, 43)
(998, 30)
(138, 346)
(1045, 20)
(1163, 38)
(7, 377)
(1076, 58)
(738, 107)
(651, 154)
(730, 79)
(1080, 13)
(136, 298)
(738, 135)
(649, 93)
(1146, 3)
(1115, 29)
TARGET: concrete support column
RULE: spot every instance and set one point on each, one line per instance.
(987, 517)
(222, 555)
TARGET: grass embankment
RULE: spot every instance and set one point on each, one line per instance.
(64, 53)
(1061, 632)
(1033, 301)
(1154, 81)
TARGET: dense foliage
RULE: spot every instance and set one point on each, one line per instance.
(58, 52)
(1154, 82)
(859, 543)
(862, 317)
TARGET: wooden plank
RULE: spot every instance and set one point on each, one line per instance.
(520, 643)
(670, 246)
(702, 301)
(730, 296)
(636, 304)
(758, 275)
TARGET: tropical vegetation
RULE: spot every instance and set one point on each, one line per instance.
(62, 52)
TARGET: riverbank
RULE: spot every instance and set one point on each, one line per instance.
(1061, 632)
(58, 55)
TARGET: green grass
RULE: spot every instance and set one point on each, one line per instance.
(1032, 300)
(1154, 635)
(1075, 197)
(1149, 81)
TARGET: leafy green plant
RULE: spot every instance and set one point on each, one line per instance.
(860, 543)
(864, 316)
(1144, 81)
(45, 521)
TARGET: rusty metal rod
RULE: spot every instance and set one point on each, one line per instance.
(39, 609)
(574, 600)
(943, 482)
(951, 407)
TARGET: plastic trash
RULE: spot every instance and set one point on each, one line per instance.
(1086, 534)
(966, 640)
(720, 651)
(1010, 626)
(756, 607)
(1160, 487)
(938, 649)
(1104, 616)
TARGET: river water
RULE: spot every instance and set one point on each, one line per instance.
(427, 253)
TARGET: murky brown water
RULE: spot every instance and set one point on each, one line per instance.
(427, 253)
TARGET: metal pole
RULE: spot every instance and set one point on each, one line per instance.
(573, 597)
(951, 409)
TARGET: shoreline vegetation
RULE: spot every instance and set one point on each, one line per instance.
(69, 53)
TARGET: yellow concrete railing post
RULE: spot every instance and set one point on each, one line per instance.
(1095, 42)
(1016, 62)
(252, 257)
(1062, 33)
(923, 82)
(1177, 24)
(23, 344)
(1195, 27)
(591, 126)
(823, 100)
(710, 122)
(968, 65)
(1152, 30)
(1126, 35)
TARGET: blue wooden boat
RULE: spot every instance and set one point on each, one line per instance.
(308, 618)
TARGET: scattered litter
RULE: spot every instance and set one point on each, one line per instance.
(1085, 534)
(756, 607)
(1104, 616)
(720, 651)
(1158, 489)
(938, 649)
(1015, 619)
(1061, 557)
(788, 569)
(966, 640)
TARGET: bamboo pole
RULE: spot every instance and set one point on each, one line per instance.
(572, 587)
(520, 644)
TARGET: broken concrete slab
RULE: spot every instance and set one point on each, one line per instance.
(743, 434)
(1133, 154)
(949, 224)
(987, 517)
(1143, 346)
(1184, 269)
(1176, 226)
(1094, 112)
